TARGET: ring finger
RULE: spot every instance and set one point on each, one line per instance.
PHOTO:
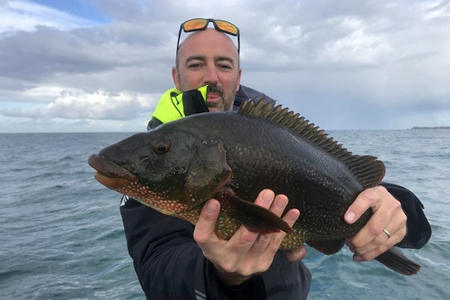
(383, 242)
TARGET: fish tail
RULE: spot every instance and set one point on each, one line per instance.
(395, 260)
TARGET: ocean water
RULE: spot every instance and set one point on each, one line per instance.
(61, 235)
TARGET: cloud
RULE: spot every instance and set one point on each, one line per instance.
(439, 9)
(99, 105)
(46, 51)
(358, 47)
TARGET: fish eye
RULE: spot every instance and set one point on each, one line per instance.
(161, 147)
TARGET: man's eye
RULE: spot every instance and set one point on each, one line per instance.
(195, 65)
(225, 67)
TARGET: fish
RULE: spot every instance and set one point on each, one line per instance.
(231, 156)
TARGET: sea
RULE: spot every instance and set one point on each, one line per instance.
(61, 234)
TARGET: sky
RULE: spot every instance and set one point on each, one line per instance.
(89, 66)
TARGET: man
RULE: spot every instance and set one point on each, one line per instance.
(173, 260)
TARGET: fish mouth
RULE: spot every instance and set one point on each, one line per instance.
(109, 173)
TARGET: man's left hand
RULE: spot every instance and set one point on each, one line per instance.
(388, 215)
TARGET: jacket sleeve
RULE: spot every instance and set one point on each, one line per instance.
(418, 228)
(168, 262)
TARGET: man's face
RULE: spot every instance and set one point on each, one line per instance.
(209, 57)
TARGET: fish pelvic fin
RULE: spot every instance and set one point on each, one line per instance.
(254, 217)
(368, 170)
(395, 260)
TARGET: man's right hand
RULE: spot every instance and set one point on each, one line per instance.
(246, 253)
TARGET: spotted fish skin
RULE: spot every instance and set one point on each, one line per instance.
(179, 165)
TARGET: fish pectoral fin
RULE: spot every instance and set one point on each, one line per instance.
(254, 217)
(395, 260)
(327, 247)
(207, 173)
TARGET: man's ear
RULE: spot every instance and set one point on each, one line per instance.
(175, 77)
(238, 81)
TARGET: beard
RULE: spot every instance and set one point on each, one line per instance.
(213, 104)
(216, 106)
(219, 105)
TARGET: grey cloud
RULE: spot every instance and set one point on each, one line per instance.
(32, 55)
(10, 88)
(146, 79)
(93, 58)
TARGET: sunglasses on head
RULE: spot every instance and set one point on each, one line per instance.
(198, 24)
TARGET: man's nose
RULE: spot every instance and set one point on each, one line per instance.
(211, 74)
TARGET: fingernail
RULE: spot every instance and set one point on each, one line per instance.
(211, 207)
(349, 217)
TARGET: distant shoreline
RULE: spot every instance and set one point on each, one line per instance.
(433, 127)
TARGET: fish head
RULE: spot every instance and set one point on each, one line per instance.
(169, 169)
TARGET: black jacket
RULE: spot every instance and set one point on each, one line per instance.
(170, 265)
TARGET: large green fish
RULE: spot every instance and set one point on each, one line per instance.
(232, 156)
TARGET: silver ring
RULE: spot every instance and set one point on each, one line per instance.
(388, 234)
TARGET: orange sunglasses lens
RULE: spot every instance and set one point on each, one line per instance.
(195, 24)
(227, 27)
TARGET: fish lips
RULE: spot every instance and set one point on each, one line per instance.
(109, 173)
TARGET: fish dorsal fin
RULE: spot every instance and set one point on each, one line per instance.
(367, 169)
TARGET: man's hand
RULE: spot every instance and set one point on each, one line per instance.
(371, 240)
(246, 253)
